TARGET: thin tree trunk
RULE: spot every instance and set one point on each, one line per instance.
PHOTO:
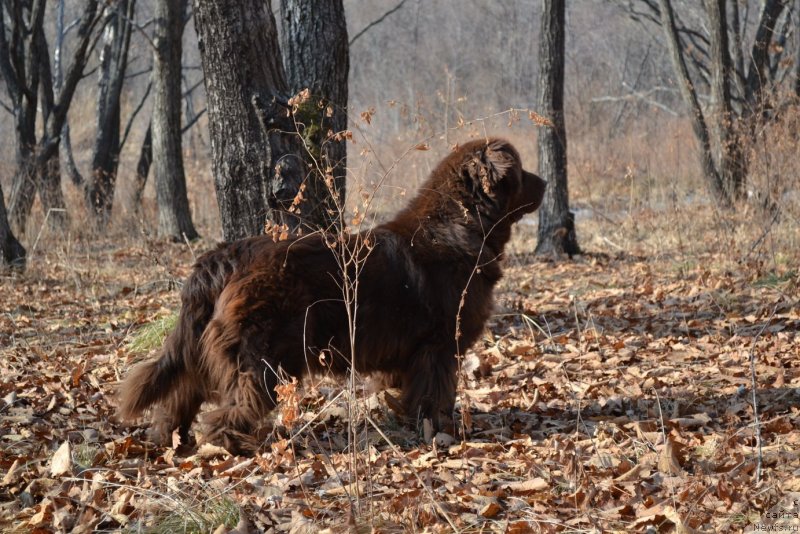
(58, 80)
(689, 95)
(143, 167)
(12, 253)
(174, 216)
(257, 168)
(556, 233)
(316, 57)
(730, 157)
(51, 193)
(99, 191)
(758, 75)
(797, 49)
(48, 168)
(22, 81)
(737, 58)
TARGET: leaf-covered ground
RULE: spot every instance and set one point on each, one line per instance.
(609, 393)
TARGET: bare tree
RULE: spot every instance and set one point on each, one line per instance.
(256, 153)
(12, 253)
(25, 67)
(316, 57)
(99, 188)
(556, 222)
(174, 216)
(714, 56)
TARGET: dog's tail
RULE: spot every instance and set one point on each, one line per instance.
(152, 382)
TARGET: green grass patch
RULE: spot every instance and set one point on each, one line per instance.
(151, 336)
(196, 517)
(774, 279)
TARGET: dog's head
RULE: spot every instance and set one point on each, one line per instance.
(493, 180)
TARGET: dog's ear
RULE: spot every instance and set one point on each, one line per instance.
(488, 165)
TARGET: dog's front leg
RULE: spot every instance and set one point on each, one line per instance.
(429, 384)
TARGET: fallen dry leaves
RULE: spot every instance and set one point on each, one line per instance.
(608, 394)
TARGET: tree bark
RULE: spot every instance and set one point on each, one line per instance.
(257, 168)
(143, 166)
(796, 67)
(730, 157)
(19, 64)
(556, 233)
(12, 253)
(99, 189)
(316, 57)
(174, 216)
(758, 75)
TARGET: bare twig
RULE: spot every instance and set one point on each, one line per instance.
(763, 235)
(753, 387)
(196, 118)
(133, 115)
(376, 22)
(639, 95)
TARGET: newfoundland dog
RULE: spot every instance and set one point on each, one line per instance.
(415, 291)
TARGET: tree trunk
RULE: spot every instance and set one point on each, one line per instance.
(58, 80)
(27, 52)
(50, 192)
(730, 157)
(689, 95)
(257, 169)
(143, 167)
(174, 216)
(797, 50)
(23, 191)
(99, 190)
(316, 57)
(12, 253)
(19, 61)
(556, 223)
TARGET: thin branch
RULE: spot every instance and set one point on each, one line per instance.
(376, 22)
(140, 28)
(148, 70)
(69, 158)
(754, 387)
(194, 120)
(639, 95)
(5, 107)
(190, 90)
(133, 115)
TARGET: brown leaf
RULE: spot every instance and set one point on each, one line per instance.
(527, 486)
(62, 460)
(491, 510)
(13, 474)
(668, 460)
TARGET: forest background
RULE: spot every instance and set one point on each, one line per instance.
(650, 383)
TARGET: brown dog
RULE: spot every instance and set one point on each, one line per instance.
(420, 289)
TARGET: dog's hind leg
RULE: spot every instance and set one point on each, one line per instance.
(177, 413)
(234, 357)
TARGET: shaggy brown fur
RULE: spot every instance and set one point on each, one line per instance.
(256, 309)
